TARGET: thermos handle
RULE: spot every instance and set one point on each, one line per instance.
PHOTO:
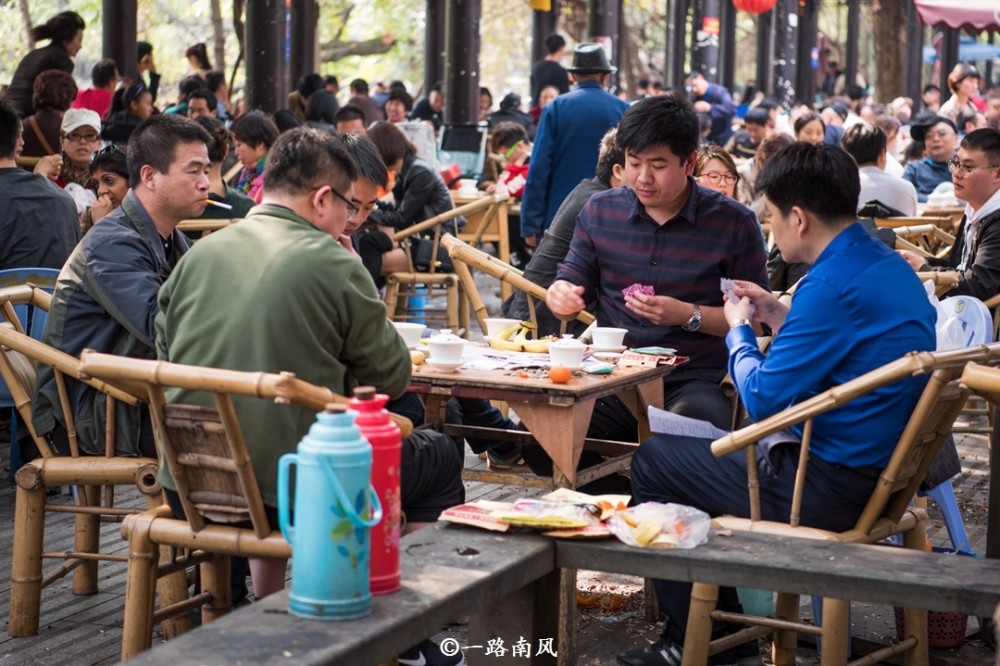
(284, 463)
(348, 506)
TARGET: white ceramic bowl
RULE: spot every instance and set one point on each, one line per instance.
(566, 352)
(409, 332)
(494, 325)
(607, 337)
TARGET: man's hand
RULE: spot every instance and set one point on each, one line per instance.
(660, 310)
(531, 241)
(565, 299)
(100, 208)
(345, 242)
(915, 261)
(702, 107)
(769, 310)
(146, 64)
(49, 166)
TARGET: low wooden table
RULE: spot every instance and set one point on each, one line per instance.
(497, 232)
(557, 415)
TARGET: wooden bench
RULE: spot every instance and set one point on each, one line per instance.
(508, 584)
(512, 587)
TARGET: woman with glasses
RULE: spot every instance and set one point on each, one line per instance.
(79, 137)
(715, 169)
(109, 179)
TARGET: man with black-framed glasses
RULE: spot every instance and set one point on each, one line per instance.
(976, 252)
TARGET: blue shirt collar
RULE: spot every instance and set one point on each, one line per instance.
(845, 238)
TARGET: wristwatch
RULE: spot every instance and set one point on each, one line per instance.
(694, 323)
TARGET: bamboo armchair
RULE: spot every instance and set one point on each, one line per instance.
(944, 223)
(887, 511)
(466, 257)
(434, 281)
(19, 356)
(205, 452)
(927, 240)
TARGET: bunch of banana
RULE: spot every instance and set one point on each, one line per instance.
(515, 338)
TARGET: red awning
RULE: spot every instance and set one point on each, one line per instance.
(973, 15)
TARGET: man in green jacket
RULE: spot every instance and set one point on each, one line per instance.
(278, 292)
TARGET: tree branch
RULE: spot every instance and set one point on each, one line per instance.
(335, 50)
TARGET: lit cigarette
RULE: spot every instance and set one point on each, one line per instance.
(210, 202)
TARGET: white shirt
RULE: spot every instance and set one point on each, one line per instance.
(891, 190)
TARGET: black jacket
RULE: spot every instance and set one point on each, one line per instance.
(981, 278)
(419, 194)
(53, 56)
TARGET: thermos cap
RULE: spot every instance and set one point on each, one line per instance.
(335, 408)
(365, 392)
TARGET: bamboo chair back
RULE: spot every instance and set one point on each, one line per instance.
(928, 240)
(944, 223)
(465, 257)
(929, 423)
(204, 447)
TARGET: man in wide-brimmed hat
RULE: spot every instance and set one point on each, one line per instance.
(568, 139)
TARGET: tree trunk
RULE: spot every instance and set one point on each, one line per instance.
(26, 17)
(889, 26)
(219, 34)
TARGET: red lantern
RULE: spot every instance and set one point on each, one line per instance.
(754, 6)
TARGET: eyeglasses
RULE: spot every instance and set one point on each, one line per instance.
(107, 151)
(966, 169)
(715, 177)
(81, 138)
(352, 209)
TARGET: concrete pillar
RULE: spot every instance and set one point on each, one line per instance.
(267, 68)
(674, 69)
(461, 69)
(727, 45)
(805, 84)
(543, 24)
(786, 21)
(305, 17)
(434, 49)
(853, 33)
(765, 51)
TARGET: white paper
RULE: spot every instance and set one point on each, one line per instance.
(668, 423)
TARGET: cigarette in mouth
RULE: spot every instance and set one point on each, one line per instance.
(210, 202)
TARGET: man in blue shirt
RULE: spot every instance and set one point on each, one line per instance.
(940, 137)
(568, 140)
(840, 326)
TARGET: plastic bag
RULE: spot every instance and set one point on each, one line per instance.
(542, 514)
(661, 526)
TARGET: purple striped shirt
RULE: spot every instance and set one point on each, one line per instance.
(616, 244)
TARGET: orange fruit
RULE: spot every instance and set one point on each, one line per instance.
(560, 375)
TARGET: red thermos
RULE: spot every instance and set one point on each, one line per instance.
(383, 434)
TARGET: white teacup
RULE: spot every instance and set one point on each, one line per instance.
(468, 187)
(494, 325)
(608, 337)
(445, 347)
(409, 332)
(566, 352)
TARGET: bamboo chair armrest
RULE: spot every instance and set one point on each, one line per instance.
(944, 281)
(467, 209)
(983, 380)
(903, 244)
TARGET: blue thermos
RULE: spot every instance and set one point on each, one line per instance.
(335, 506)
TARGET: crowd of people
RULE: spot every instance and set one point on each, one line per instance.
(672, 190)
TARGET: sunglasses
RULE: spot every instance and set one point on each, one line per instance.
(107, 151)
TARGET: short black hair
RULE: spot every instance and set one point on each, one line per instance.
(757, 116)
(218, 147)
(322, 107)
(506, 134)
(986, 140)
(805, 119)
(304, 158)
(931, 86)
(347, 113)
(10, 130)
(110, 158)
(189, 84)
(820, 178)
(359, 87)
(308, 84)
(864, 142)
(205, 94)
(554, 42)
(255, 128)
(215, 80)
(659, 121)
(104, 72)
(143, 49)
(400, 95)
(366, 158)
(331, 80)
(966, 118)
(286, 120)
(155, 142)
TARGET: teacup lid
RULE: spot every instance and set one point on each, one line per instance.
(445, 336)
(567, 342)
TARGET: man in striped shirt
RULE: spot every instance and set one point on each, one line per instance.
(666, 231)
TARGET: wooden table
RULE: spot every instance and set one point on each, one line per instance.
(556, 415)
(496, 232)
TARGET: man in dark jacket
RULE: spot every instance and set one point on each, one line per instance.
(568, 139)
(548, 71)
(38, 222)
(105, 298)
(976, 252)
(715, 100)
